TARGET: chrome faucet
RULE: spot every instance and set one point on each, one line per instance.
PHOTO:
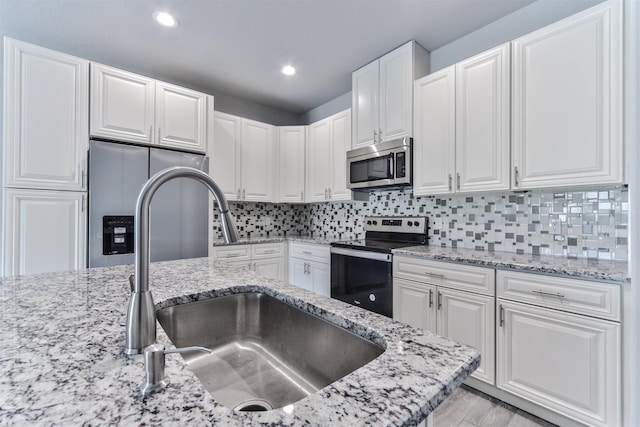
(141, 314)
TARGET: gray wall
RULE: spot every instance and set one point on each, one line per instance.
(250, 110)
(519, 23)
(336, 105)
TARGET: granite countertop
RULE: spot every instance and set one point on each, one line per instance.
(601, 270)
(279, 239)
(580, 268)
(61, 360)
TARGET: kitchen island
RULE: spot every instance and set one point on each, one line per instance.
(61, 359)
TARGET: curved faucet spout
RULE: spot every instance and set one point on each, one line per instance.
(141, 317)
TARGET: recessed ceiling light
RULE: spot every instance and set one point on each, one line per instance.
(288, 70)
(163, 18)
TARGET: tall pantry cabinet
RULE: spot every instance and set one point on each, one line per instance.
(44, 160)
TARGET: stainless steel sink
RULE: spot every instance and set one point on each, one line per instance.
(266, 354)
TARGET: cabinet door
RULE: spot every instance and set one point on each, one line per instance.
(365, 104)
(317, 161)
(44, 231)
(469, 319)
(291, 168)
(567, 101)
(257, 161)
(320, 278)
(434, 142)
(181, 117)
(396, 93)
(45, 118)
(564, 362)
(225, 154)
(299, 274)
(483, 121)
(340, 142)
(413, 303)
(122, 105)
(271, 267)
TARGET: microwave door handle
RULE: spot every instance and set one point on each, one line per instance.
(391, 174)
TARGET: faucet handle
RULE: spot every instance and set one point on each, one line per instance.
(154, 361)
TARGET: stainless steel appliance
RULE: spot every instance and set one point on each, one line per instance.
(361, 270)
(179, 213)
(388, 164)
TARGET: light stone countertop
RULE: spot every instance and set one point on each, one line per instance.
(580, 268)
(61, 360)
(600, 270)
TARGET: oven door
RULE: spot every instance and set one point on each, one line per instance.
(362, 278)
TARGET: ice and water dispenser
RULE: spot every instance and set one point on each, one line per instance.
(117, 233)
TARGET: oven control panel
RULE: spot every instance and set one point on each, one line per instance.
(396, 224)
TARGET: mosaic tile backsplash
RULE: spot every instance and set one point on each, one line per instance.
(572, 224)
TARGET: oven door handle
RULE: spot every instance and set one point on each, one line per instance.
(376, 256)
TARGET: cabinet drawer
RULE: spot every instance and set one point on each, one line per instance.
(267, 250)
(235, 252)
(458, 276)
(311, 252)
(576, 296)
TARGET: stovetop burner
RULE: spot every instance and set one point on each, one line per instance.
(382, 234)
(373, 245)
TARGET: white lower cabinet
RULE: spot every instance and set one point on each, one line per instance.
(310, 267)
(267, 259)
(566, 362)
(433, 296)
(44, 231)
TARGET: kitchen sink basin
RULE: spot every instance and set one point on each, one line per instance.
(266, 353)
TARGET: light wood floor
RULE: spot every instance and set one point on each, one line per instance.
(467, 407)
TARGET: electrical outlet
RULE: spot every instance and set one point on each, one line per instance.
(554, 226)
(267, 220)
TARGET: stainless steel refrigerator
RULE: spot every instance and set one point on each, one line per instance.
(179, 210)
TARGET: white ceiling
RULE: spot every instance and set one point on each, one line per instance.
(237, 47)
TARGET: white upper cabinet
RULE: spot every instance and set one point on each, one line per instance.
(45, 118)
(434, 144)
(257, 161)
(567, 102)
(129, 107)
(382, 95)
(181, 117)
(462, 138)
(224, 165)
(365, 104)
(482, 121)
(291, 167)
(326, 162)
(242, 158)
(122, 105)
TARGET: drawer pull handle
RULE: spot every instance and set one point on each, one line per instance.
(437, 276)
(232, 255)
(271, 251)
(557, 294)
(307, 253)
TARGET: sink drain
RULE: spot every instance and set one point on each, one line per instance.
(254, 406)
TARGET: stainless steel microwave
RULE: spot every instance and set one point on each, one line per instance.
(387, 164)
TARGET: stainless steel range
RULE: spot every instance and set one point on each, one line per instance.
(361, 270)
